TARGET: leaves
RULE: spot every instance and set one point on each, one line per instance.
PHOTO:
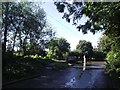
(60, 7)
(102, 16)
(58, 47)
(84, 46)
(105, 44)
(27, 26)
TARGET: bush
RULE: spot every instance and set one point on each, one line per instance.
(51, 55)
(113, 62)
(98, 56)
(113, 65)
(16, 67)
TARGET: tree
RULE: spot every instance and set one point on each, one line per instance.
(58, 47)
(113, 62)
(85, 47)
(24, 26)
(105, 43)
(98, 55)
(101, 16)
(6, 24)
(77, 54)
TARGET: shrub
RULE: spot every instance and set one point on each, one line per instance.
(16, 67)
(113, 62)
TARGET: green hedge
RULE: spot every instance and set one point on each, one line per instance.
(16, 67)
(113, 65)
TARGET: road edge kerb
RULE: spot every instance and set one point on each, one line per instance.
(18, 80)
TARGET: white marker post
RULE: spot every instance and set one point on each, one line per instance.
(84, 63)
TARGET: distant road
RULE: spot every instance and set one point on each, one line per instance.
(92, 65)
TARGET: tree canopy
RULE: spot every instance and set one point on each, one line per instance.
(105, 44)
(85, 47)
(101, 16)
(58, 47)
(24, 27)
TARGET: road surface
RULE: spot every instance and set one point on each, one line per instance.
(72, 77)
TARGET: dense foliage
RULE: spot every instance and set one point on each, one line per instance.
(86, 48)
(110, 46)
(78, 55)
(24, 27)
(98, 55)
(101, 15)
(58, 48)
(105, 44)
(25, 33)
(21, 67)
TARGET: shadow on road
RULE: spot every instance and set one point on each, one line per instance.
(72, 77)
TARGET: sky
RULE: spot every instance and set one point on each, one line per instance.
(67, 30)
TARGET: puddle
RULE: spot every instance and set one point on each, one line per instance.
(71, 82)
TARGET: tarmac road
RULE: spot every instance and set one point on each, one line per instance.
(72, 77)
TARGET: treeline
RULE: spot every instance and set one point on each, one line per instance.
(59, 48)
(25, 33)
(24, 28)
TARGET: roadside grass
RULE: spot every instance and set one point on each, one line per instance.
(56, 60)
(18, 67)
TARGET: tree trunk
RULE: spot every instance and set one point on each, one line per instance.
(20, 38)
(14, 41)
(6, 26)
(24, 47)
